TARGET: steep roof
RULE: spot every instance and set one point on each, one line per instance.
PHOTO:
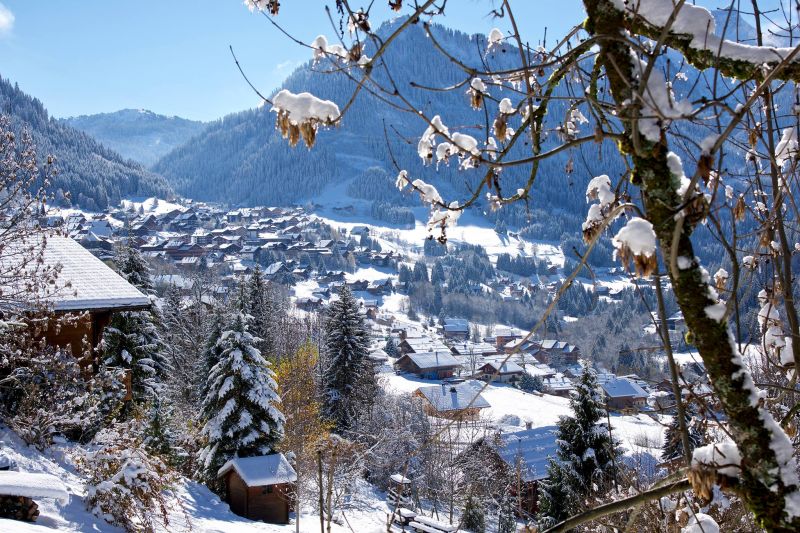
(453, 397)
(530, 449)
(623, 388)
(85, 282)
(261, 470)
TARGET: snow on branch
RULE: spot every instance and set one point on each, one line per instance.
(636, 242)
(696, 26)
(302, 114)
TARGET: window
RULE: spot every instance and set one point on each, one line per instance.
(267, 489)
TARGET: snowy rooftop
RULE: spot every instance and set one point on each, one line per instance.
(531, 449)
(452, 397)
(508, 367)
(85, 282)
(425, 360)
(261, 470)
(32, 485)
(623, 388)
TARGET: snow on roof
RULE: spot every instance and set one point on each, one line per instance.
(452, 397)
(622, 388)
(425, 360)
(85, 282)
(508, 367)
(530, 449)
(31, 485)
(400, 478)
(261, 470)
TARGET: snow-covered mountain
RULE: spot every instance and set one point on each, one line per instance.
(138, 134)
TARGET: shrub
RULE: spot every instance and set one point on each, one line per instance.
(126, 485)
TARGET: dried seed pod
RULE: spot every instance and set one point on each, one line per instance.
(752, 138)
(309, 133)
(702, 480)
(475, 98)
(739, 209)
(501, 126)
(704, 167)
(395, 5)
(355, 52)
(294, 135)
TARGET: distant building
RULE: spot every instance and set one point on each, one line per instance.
(623, 394)
(461, 401)
(500, 372)
(456, 328)
(429, 365)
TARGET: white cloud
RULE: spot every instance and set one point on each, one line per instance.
(286, 66)
(6, 20)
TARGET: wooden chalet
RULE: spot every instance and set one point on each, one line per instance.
(520, 459)
(623, 394)
(501, 372)
(87, 287)
(454, 401)
(260, 488)
(428, 365)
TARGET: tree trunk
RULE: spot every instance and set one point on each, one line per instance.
(753, 429)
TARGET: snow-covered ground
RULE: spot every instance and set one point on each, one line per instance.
(636, 433)
(193, 507)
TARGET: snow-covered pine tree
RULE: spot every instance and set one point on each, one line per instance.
(132, 340)
(474, 517)
(391, 347)
(260, 308)
(241, 406)
(349, 381)
(673, 443)
(586, 456)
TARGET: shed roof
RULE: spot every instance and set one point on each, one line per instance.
(453, 397)
(261, 470)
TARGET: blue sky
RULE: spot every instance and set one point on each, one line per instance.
(172, 57)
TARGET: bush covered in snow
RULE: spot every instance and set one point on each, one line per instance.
(45, 392)
(125, 483)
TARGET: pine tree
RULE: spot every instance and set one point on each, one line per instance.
(474, 517)
(132, 340)
(349, 380)
(261, 309)
(133, 268)
(506, 521)
(673, 441)
(586, 454)
(391, 347)
(530, 383)
(241, 406)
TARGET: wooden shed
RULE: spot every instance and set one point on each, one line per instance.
(260, 487)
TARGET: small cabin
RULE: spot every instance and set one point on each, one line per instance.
(260, 487)
(454, 401)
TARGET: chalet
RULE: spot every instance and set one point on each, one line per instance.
(454, 401)
(558, 385)
(456, 328)
(380, 287)
(467, 348)
(623, 394)
(500, 372)
(84, 285)
(260, 488)
(201, 236)
(559, 353)
(505, 335)
(428, 365)
(360, 285)
(521, 459)
(359, 230)
(310, 303)
(420, 345)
